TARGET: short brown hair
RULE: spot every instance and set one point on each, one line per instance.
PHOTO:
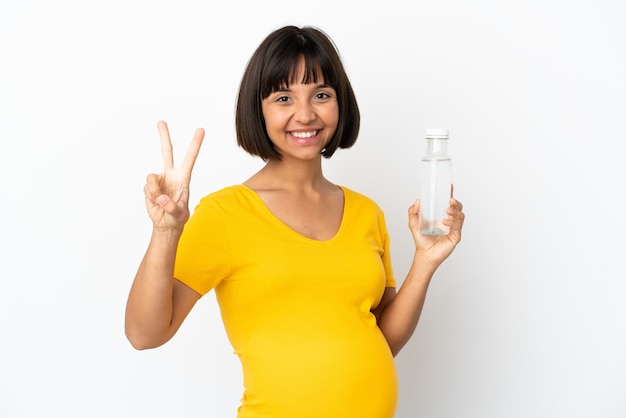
(274, 65)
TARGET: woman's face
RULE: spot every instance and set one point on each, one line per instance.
(302, 118)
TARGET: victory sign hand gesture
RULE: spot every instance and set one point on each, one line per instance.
(167, 194)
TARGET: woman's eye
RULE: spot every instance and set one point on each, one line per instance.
(282, 99)
(322, 95)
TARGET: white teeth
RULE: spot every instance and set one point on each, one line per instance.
(304, 134)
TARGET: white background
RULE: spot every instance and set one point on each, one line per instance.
(526, 319)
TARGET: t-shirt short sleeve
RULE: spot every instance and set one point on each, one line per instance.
(202, 257)
(390, 280)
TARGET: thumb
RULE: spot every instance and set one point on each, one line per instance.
(171, 208)
(415, 207)
(414, 215)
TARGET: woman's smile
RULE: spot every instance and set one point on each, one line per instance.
(306, 137)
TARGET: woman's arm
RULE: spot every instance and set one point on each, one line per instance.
(157, 303)
(398, 314)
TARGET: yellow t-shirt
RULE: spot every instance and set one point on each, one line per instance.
(296, 310)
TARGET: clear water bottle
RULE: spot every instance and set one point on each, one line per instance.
(436, 183)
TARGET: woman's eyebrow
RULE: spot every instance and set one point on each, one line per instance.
(287, 89)
(317, 86)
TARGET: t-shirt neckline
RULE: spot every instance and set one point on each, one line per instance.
(292, 231)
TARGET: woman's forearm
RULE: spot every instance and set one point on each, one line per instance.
(149, 308)
(399, 318)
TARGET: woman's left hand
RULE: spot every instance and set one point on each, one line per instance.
(436, 248)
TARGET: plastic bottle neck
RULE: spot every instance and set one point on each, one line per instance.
(437, 146)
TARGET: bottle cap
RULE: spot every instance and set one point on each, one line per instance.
(437, 133)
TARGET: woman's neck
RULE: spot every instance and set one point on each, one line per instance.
(295, 175)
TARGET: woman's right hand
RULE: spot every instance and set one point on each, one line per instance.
(167, 194)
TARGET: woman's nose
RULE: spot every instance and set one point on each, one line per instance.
(304, 112)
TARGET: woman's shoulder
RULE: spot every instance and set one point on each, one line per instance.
(358, 198)
(226, 196)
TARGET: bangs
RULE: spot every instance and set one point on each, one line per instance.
(284, 68)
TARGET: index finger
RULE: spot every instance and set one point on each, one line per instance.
(166, 145)
(193, 150)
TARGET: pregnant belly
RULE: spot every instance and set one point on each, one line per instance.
(337, 371)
